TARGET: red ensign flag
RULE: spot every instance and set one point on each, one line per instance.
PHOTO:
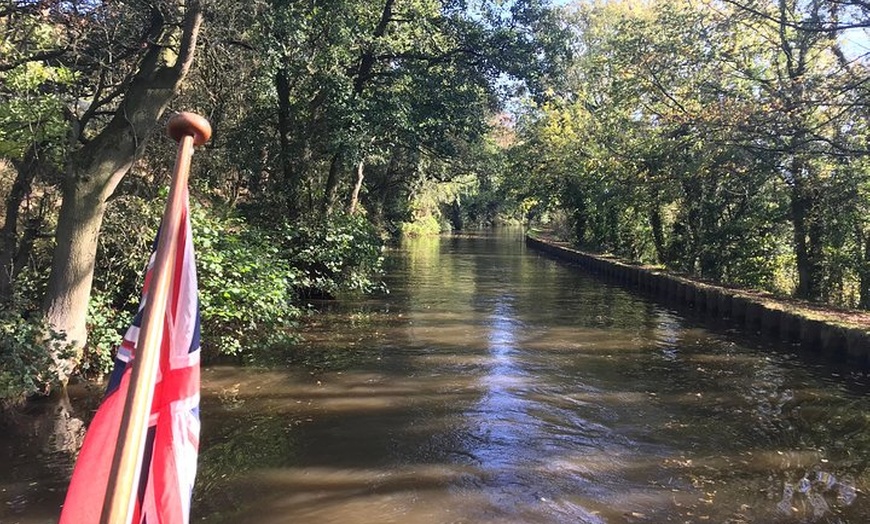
(169, 462)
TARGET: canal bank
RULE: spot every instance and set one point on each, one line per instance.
(839, 336)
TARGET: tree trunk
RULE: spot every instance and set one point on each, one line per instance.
(331, 192)
(456, 215)
(367, 60)
(24, 176)
(806, 246)
(96, 169)
(255, 183)
(14, 247)
(354, 196)
(290, 178)
(72, 269)
(655, 222)
(808, 230)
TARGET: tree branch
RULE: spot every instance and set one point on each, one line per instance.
(39, 56)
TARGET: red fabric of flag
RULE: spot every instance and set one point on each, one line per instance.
(169, 464)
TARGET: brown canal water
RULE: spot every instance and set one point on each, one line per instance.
(493, 385)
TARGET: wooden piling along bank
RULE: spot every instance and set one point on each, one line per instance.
(839, 339)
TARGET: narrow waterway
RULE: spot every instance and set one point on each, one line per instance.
(494, 385)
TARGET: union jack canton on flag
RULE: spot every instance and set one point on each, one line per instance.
(169, 462)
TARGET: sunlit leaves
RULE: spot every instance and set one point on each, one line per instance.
(731, 135)
(32, 104)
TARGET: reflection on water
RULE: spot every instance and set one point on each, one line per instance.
(496, 386)
(37, 450)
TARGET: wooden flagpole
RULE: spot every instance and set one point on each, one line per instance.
(122, 488)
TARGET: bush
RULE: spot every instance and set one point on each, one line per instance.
(245, 286)
(106, 326)
(340, 255)
(422, 227)
(249, 280)
(26, 367)
(126, 239)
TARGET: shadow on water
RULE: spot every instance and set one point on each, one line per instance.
(491, 385)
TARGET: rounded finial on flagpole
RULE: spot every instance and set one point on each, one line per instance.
(189, 124)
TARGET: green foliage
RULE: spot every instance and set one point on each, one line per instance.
(245, 286)
(249, 279)
(422, 227)
(106, 325)
(434, 205)
(399, 87)
(687, 139)
(127, 238)
(128, 233)
(26, 368)
(35, 114)
(340, 255)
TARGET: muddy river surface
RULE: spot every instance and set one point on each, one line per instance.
(493, 385)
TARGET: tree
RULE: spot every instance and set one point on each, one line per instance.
(32, 129)
(803, 82)
(124, 83)
(725, 142)
(370, 82)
